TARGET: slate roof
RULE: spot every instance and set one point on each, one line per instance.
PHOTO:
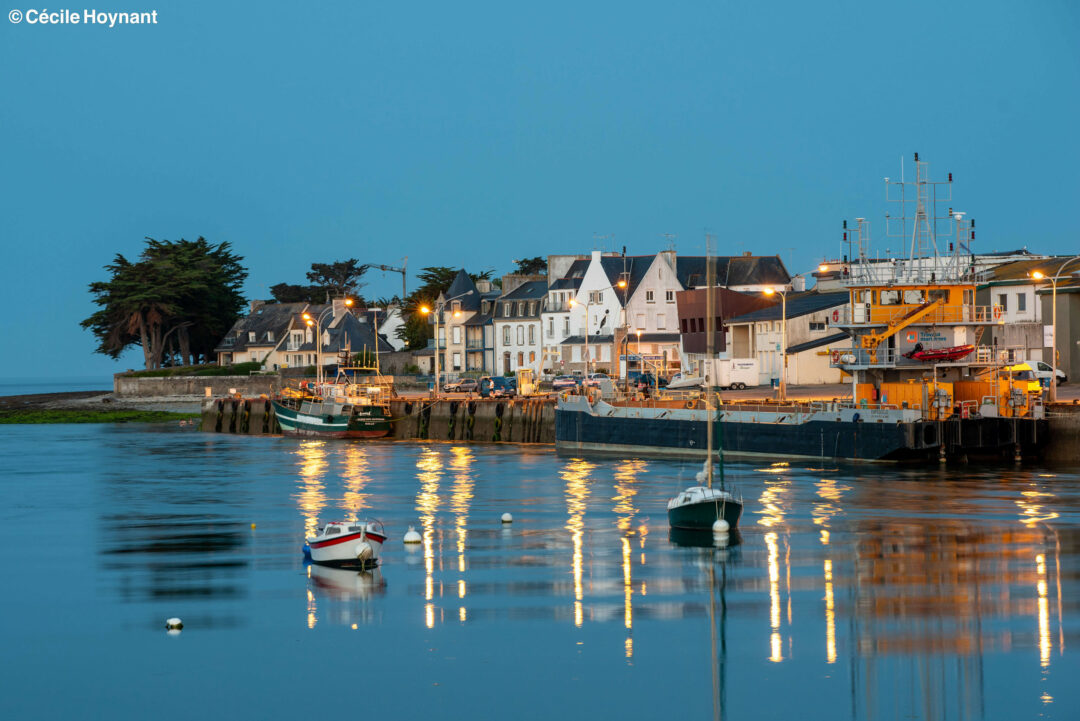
(463, 284)
(798, 304)
(580, 339)
(1018, 272)
(635, 268)
(349, 332)
(817, 343)
(530, 290)
(268, 318)
(732, 270)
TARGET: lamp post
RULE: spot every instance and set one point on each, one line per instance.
(438, 311)
(1038, 275)
(783, 340)
(317, 323)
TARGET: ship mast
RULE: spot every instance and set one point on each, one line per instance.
(709, 275)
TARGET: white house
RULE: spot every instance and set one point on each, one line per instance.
(517, 320)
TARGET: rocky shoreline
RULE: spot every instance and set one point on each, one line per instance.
(98, 401)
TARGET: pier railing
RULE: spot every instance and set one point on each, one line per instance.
(883, 315)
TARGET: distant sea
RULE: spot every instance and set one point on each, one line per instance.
(28, 385)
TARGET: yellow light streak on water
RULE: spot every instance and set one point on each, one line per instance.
(356, 477)
(576, 474)
(830, 615)
(774, 596)
(628, 587)
(461, 462)
(312, 496)
(429, 466)
(1045, 644)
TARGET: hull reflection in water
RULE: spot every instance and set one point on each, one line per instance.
(696, 538)
(342, 584)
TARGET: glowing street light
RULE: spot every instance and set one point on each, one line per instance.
(783, 339)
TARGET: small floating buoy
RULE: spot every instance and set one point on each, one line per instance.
(174, 624)
(411, 536)
(720, 526)
(507, 518)
(253, 526)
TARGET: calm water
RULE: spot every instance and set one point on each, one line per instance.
(854, 593)
(24, 386)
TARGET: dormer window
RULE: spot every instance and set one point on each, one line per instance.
(455, 306)
(251, 336)
(506, 310)
(270, 336)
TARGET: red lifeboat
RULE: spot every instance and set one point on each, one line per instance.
(939, 354)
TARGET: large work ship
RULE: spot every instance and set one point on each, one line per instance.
(923, 386)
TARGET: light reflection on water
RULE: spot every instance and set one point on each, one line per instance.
(875, 592)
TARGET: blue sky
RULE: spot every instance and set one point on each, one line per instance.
(475, 133)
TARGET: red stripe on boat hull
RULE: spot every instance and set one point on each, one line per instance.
(349, 537)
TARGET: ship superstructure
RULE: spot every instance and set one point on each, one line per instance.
(918, 336)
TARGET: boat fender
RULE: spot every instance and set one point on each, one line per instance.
(691, 404)
(408, 408)
(470, 422)
(855, 418)
(364, 551)
(499, 410)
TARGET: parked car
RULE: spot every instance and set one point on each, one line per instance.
(497, 387)
(594, 379)
(465, 385)
(564, 383)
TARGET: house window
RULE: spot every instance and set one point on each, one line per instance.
(660, 321)
(817, 326)
(1021, 302)
(506, 335)
(1003, 301)
(521, 359)
(596, 296)
(457, 361)
(506, 310)
(683, 325)
(669, 296)
(251, 336)
(532, 334)
(649, 297)
(521, 335)
(456, 334)
(551, 328)
(566, 325)
(532, 308)
(270, 336)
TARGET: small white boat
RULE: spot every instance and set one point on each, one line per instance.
(349, 544)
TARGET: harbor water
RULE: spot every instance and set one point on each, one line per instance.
(850, 592)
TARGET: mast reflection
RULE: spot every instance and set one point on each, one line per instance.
(626, 475)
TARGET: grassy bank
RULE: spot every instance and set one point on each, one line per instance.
(91, 416)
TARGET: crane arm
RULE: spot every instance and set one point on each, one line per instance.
(872, 340)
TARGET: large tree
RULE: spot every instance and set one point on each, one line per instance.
(531, 266)
(328, 280)
(176, 301)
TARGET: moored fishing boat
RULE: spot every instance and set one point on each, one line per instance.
(336, 410)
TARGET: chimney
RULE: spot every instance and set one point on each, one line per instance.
(483, 286)
(798, 284)
(669, 257)
(339, 309)
(255, 305)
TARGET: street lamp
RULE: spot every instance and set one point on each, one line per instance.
(783, 340)
(316, 322)
(1038, 275)
(438, 311)
(588, 303)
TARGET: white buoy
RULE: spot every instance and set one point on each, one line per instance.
(174, 624)
(411, 536)
(507, 518)
(720, 526)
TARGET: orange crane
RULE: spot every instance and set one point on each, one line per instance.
(873, 339)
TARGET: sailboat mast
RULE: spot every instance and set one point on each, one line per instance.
(710, 364)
